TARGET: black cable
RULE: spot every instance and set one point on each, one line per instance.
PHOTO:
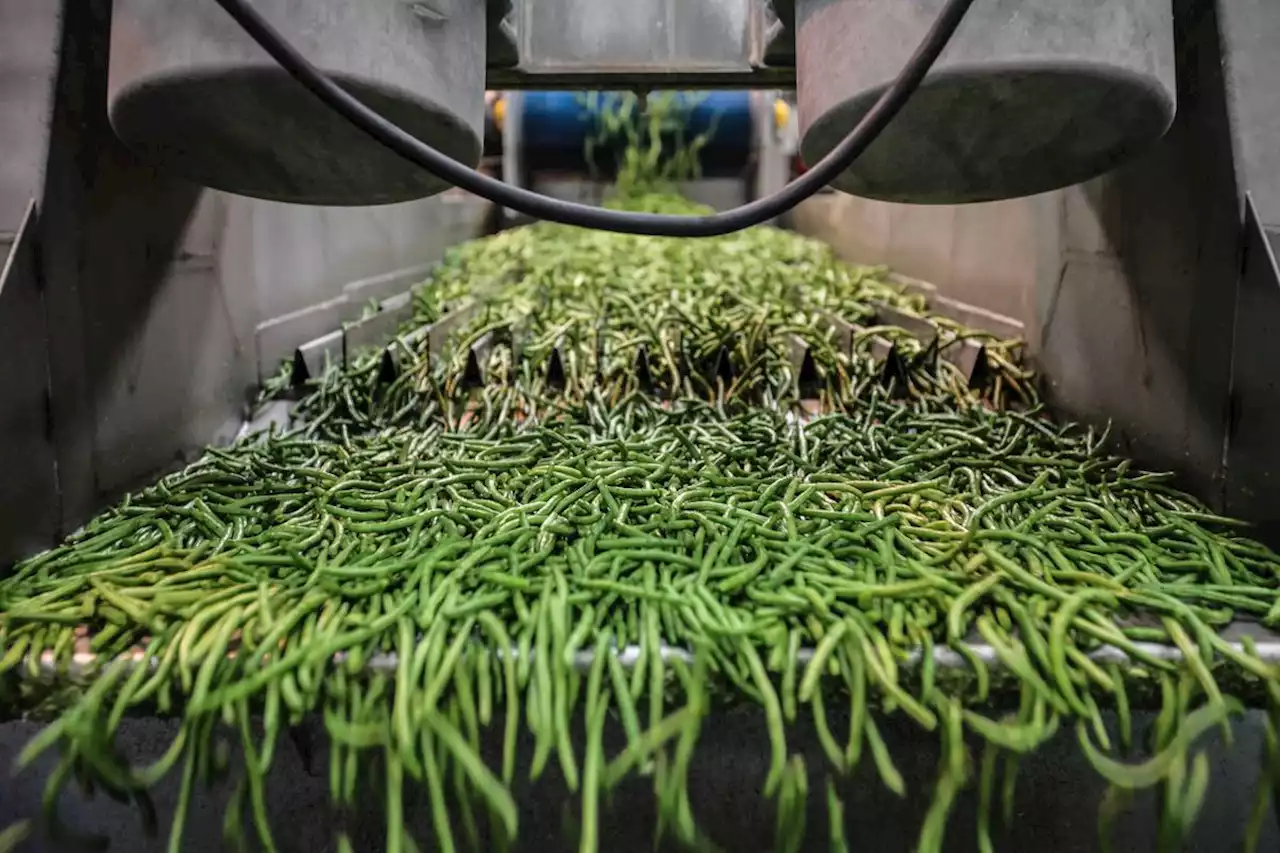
(569, 213)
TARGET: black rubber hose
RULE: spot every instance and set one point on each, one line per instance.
(543, 207)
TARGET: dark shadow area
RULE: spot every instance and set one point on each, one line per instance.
(1055, 809)
(1253, 459)
(28, 489)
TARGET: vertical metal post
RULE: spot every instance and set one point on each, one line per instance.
(512, 145)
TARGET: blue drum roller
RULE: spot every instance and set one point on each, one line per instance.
(555, 127)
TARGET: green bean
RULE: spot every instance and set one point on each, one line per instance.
(495, 792)
(254, 776)
(1152, 771)
(1114, 802)
(1065, 615)
(440, 675)
(694, 683)
(439, 807)
(1194, 661)
(835, 818)
(828, 742)
(1193, 795)
(592, 768)
(622, 695)
(773, 710)
(884, 762)
(986, 789)
(816, 667)
(184, 796)
(1264, 788)
(962, 602)
(648, 742)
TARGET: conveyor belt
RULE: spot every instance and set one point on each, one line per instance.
(1266, 643)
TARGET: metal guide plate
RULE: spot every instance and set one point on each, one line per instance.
(378, 329)
(1266, 643)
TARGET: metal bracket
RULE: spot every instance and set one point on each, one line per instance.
(30, 487)
(377, 330)
(555, 369)
(84, 664)
(804, 368)
(441, 330)
(644, 375)
(435, 11)
(694, 48)
(919, 328)
(313, 358)
(968, 355)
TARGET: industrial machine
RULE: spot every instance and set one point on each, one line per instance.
(1132, 142)
(1019, 102)
(547, 142)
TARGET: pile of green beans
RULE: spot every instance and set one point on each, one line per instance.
(488, 559)
(713, 320)
(602, 297)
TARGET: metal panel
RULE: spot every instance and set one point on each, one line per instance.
(150, 347)
(1251, 31)
(1137, 303)
(28, 62)
(278, 337)
(312, 359)
(175, 383)
(706, 48)
(297, 257)
(1253, 454)
(620, 44)
(978, 318)
(384, 286)
(378, 329)
(637, 35)
(28, 489)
